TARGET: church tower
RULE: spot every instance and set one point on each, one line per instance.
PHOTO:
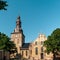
(17, 36)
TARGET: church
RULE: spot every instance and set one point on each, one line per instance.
(31, 51)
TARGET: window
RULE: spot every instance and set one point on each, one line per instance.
(22, 53)
(26, 53)
(30, 51)
(41, 49)
(42, 42)
(36, 51)
(36, 43)
(42, 56)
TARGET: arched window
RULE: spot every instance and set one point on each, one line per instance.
(30, 51)
(36, 50)
(22, 53)
(42, 42)
(42, 56)
(41, 49)
(26, 52)
(36, 43)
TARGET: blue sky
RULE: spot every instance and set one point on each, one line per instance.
(37, 16)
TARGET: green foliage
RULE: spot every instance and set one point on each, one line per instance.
(52, 43)
(3, 4)
(5, 43)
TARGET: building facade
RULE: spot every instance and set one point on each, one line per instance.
(34, 50)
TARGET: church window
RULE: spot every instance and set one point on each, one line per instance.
(36, 50)
(41, 49)
(42, 42)
(36, 43)
(22, 53)
(26, 53)
(30, 51)
(42, 56)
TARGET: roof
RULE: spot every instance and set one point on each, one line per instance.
(25, 46)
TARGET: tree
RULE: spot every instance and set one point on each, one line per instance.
(3, 4)
(52, 43)
(6, 44)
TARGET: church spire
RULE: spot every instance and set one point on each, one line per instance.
(18, 25)
(18, 22)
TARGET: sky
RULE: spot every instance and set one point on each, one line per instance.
(37, 17)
